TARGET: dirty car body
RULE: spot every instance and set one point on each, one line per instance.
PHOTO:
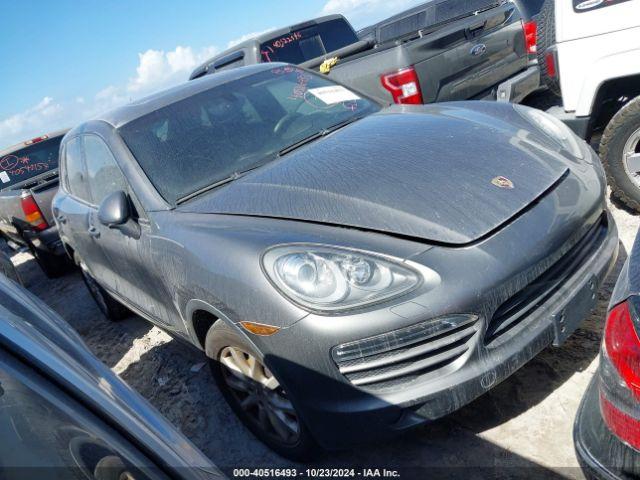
(607, 425)
(406, 258)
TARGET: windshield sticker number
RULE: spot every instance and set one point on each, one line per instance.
(333, 94)
(281, 42)
(4, 177)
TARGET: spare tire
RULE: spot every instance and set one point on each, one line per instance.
(546, 38)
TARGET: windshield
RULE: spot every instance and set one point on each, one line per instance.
(308, 43)
(203, 139)
(29, 162)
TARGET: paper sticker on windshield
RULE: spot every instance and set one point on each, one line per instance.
(333, 94)
(4, 177)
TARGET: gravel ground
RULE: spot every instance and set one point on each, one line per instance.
(520, 428)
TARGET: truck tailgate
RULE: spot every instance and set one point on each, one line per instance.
(476, 57)
(463, 59)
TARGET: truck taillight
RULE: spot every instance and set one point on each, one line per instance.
(530, 36)
(620, 374)
(403, 86)
(32, 213)
(550, 62)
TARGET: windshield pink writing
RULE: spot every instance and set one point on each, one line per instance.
(9, 162)
(281, 42)
(34, 167)
(300, 88)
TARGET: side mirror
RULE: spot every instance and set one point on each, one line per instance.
(114, 209)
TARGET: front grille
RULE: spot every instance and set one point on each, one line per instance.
(536, 293)
(403, 355)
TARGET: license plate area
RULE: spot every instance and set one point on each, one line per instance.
(567, 320)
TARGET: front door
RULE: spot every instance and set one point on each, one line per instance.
(131, 276)
(75, 214)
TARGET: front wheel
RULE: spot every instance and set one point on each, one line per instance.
(256, 396)
(620, 153)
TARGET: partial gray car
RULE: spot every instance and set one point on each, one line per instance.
(351, 269)
(65, 415)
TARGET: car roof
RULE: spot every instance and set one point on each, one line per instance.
(21, 145)
(139, 108)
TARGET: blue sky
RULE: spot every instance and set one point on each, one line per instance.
(65, 61)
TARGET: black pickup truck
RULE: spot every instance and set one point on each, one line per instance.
(441, 50)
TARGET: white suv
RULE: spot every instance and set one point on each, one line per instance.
(589, 53)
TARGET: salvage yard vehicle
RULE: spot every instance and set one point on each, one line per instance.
(28, 182)
(590, 55)
(66, 415)
(348, 271)
(607, 427)
(442, 50)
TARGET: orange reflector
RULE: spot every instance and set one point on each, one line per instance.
(259, 328)
(34, 217)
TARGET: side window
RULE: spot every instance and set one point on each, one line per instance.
(75, 176)
(103, 173)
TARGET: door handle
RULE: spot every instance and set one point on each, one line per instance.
(473, 30)
(61, 219)
(93, 231)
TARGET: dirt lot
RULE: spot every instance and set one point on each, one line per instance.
(520, 428)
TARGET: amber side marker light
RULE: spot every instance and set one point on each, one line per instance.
(259, 328)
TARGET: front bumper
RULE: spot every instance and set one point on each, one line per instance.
(340, 414)
(601, 454)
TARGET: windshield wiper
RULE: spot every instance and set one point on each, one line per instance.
(300, 143)
(284, 151)
(317, 135)
(219, 183)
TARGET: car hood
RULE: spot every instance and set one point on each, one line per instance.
(423, 172)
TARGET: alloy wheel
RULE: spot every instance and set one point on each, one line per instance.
(631, 157)
(259, 395)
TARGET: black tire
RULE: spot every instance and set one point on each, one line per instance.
(546, 38)
(220, 336)
(109, 306)
(612, 145)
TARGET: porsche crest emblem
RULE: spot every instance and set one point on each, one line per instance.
(502, 182)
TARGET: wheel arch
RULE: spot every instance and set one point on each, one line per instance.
(610, 97)
(201, 316)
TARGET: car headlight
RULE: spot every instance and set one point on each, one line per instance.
(332, 278)
(554, 128)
